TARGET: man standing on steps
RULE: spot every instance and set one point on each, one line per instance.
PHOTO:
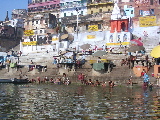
(20, 53)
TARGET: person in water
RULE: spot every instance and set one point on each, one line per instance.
(145, 80)
(111, 84)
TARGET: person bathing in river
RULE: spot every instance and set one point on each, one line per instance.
(145, 80)
(97, 83)
(111, 84)
(130, 82)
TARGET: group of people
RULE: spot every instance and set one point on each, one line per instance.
(132, 60)
(67, 62)
(82, 79)
(59, 80)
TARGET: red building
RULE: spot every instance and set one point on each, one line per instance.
(119, 25)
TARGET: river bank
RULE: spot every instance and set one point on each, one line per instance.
(119, 74)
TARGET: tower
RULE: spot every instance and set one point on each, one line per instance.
(7, 18)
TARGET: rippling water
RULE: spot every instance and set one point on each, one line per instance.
(77, 102)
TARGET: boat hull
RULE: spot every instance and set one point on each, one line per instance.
(14, 81)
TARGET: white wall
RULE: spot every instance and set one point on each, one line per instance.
(149, 35)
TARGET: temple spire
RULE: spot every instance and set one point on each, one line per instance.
(116, 14)
(7, 18)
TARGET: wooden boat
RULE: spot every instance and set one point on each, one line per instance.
(5, 81)
(14, 81)
(19, 81)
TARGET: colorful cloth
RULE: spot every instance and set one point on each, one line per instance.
(145, 78)
(98, 66)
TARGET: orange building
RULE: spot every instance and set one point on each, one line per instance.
(156, 70)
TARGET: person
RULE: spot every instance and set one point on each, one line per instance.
(32, 62)
(145, 80)
(67, 82)
(158, 80)
(20, 53)
(64, 78)
(150, 86)
(81, 78)
(125, 49)
(97, 83)
(111, 84)
(103, 84)
(130, 82)
(26, 77)
(90, 51)
(38, 79)
(99, 60)
(110, 49)
(142, 73)
(90, 82)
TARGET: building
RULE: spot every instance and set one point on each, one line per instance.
(43, 16)
(73, 7)
(99, 6)
(19, 14)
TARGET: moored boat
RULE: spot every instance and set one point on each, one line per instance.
(19, 81)
(5, 81)
(14, 81)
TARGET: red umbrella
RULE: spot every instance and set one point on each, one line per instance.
(137, 42)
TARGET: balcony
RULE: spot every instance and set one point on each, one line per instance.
(100, 2)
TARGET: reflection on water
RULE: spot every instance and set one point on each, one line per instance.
(76, 102)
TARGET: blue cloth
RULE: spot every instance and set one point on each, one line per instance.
(146, 78)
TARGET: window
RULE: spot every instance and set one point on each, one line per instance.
(36, 22)
(140, 12)
(64, 14)
(61, 45)
(100, 10)
(99, 26)
(46, 20)
(152, 11)
(75, 27)
(87, 27)
(131, 11)
(158, 69)
(40, 31)
(81, 12)
(151, 2)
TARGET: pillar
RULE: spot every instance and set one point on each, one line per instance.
(126, 24)
(112, 27)
(118, 26)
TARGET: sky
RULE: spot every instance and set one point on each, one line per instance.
(9, 5)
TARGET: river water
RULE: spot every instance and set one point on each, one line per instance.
(77, 102)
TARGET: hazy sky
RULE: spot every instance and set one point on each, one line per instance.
(9, 5)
